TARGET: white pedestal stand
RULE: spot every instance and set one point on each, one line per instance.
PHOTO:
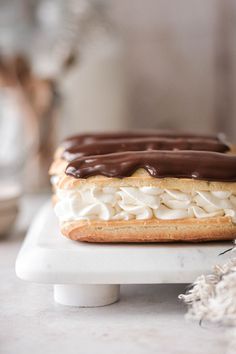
(88, 275)
(86, 295)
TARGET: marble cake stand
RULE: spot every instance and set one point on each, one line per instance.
(89, 275)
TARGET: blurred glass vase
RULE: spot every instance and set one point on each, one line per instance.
(13, 149)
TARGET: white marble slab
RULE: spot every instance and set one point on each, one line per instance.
(78, 268)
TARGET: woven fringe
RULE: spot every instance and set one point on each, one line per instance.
(213, 297)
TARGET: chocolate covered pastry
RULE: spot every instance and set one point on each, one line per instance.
(145, 187)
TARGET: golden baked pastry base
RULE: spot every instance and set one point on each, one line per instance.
(153, 230)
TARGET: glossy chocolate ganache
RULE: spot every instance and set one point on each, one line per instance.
(166, 154)
(212, 166)
(93, 137)
(143, 144)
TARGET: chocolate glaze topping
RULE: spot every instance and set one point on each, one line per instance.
(93, 137)
(212, 166)
(143, 144)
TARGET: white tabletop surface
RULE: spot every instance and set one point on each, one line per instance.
(148, 319)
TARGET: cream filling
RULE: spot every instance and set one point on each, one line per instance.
(141, 203)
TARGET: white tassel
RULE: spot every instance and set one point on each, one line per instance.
(213, 297)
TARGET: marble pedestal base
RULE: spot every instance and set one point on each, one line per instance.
(84, 274)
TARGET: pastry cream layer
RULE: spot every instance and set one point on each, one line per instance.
(88, 202)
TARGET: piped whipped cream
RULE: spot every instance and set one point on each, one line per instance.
(141, 203)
